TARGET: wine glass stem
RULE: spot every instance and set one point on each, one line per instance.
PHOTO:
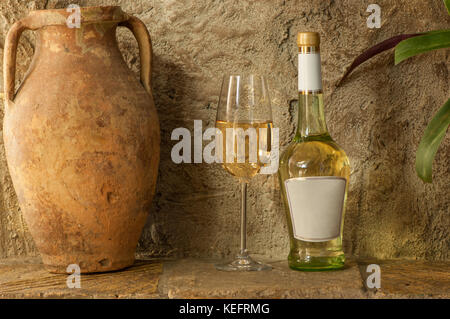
(243, 251)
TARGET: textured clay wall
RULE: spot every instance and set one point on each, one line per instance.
(378, 117)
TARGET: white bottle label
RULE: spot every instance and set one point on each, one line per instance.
(316, 205)
(309, 74)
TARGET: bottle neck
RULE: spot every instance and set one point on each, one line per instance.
(311, 118)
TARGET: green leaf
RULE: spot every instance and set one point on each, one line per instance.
(432, 138)
(429, 41)
(447, 5)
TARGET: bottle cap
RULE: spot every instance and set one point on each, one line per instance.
(310, 39)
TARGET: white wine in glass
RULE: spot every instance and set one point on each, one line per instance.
(244, 117)
(262, 143)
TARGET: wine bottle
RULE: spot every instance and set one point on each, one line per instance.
(314, 173)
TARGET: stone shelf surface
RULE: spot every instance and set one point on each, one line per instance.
(197, 278)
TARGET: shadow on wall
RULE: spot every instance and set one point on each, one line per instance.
(184, 206)
(168, 81)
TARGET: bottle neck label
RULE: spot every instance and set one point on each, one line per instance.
(309, 73)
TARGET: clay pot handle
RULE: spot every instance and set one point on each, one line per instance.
(140, 32)
(9, 57)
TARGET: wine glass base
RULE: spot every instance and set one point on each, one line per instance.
(243, 263)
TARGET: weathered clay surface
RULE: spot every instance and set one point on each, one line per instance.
(378, 117)
(82, 142)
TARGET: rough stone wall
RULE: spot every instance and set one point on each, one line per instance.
(378, 117)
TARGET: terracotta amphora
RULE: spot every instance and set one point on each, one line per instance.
(82, 138)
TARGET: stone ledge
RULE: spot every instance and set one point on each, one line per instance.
(410, 279)
(197, 278)
(28, 278)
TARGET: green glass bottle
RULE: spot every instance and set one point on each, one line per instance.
(314, 174)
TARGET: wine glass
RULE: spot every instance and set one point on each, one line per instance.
(244, 118)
